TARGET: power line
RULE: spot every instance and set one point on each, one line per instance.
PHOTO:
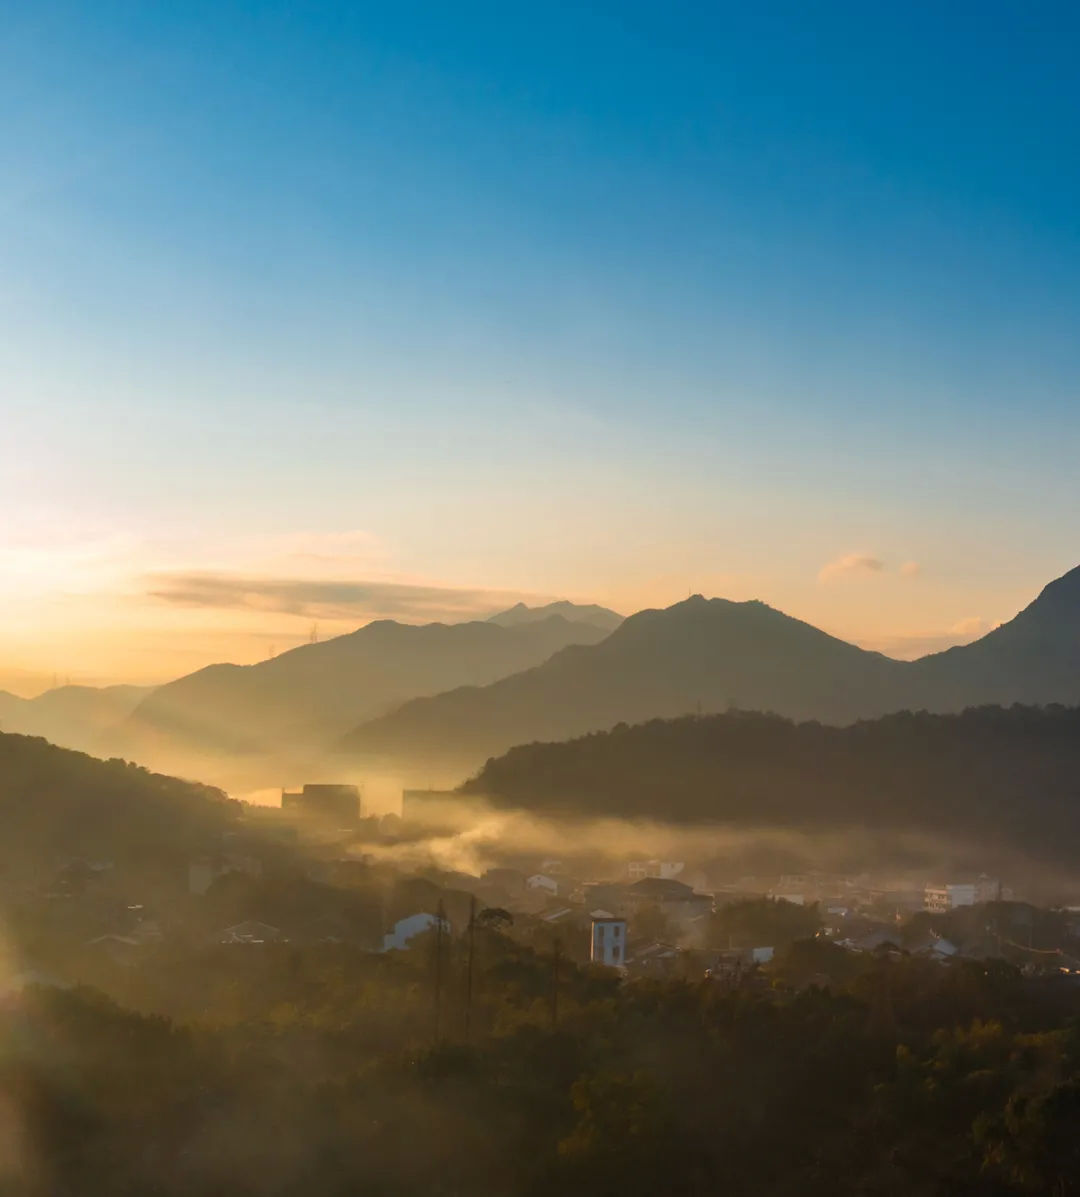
(440, 916)
(556, 957)
(469, 967)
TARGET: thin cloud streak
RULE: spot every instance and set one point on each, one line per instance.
(973, 625)
(316, 598)
(850, 564)
(911, 647)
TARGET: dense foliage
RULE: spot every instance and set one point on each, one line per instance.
(480, 1062)
(55, 804)
(1011, 774)
(320, 1074)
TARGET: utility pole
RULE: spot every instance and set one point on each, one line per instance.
(556, 957)
(440, 916)
(469, 967)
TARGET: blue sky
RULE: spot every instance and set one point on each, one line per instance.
(616, 301)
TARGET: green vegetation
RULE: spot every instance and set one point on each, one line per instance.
(989, 775)
(318, 1072)
(762, 922)
(56, 804)
(169, 1060)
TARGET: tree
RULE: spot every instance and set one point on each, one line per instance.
(762, 922)
(495, 918)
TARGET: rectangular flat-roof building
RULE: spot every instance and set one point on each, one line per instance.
(337, 803)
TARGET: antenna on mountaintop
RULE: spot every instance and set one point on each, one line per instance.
(313, 635)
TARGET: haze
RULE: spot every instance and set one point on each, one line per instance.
(390, 313)
(539, 599)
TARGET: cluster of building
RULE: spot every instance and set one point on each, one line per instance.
(652, 919)
(325, 803)
(940, 898)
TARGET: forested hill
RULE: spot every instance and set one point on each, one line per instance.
(57, 804)
(1007, 773)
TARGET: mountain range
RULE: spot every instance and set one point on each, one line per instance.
(709, 655)
(519, 613)
(437, 700)
(74, 716)
(312, 694)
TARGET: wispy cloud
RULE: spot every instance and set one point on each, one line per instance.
(921, 643)
(912, 646)
(330, 598)
(850, 565)
(910, 569)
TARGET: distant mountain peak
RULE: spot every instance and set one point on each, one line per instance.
(698, 655)
(590, 613)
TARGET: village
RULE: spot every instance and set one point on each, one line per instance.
(318, 871)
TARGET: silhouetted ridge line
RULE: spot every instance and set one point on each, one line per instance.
(708, 655)
(1005, 774)
(311, 694)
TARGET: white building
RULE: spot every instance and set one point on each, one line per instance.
(543, 882)
(608, 941)
(938, 899)
(408, 928)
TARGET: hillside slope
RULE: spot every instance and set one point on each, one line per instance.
(1034, 658)
(699, 655)
(56, 804)
(315, 692)
(708, 655)
(71, 716)
(988, 774)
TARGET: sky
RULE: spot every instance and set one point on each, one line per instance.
(317, 313)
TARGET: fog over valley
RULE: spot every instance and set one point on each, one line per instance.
(539, 600)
